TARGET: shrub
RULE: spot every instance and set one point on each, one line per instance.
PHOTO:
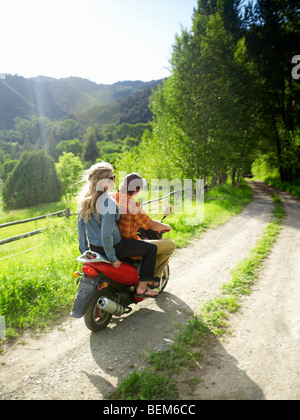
(33, 181)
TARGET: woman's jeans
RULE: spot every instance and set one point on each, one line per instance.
(135, 248)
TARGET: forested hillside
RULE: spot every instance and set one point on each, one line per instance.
(59, 99)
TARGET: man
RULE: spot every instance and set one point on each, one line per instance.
(133, 216)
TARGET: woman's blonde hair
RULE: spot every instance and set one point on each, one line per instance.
(92, 190)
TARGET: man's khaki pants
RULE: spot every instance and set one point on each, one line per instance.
(165, 248)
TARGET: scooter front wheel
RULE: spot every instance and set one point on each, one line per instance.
(164, 278)
(95, 318)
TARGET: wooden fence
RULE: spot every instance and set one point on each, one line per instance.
(65, 213)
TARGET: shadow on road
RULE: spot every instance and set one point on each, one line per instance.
(217, 377)
(118, 349)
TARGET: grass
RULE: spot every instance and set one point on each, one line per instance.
(212, 320)
(27, 213)
(34, 241)
(291, 187)
(36, 287)
(220, 205)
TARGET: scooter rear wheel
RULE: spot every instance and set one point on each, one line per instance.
(95, 318)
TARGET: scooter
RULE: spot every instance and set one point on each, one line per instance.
(105, 291)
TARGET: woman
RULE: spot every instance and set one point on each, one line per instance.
(97, 227)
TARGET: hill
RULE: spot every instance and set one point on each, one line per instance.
(73, 97)
(132, 108)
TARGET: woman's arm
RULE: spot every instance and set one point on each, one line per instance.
(107, 228)
(83, 242)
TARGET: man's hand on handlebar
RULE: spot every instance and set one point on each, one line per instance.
(166, 228)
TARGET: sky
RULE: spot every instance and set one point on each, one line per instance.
(101, 40)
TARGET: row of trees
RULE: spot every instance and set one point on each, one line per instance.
(231, 96)
(66, 136)
(41, 133)
(110, 142)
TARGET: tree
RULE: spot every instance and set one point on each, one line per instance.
(70, 146)
(69, 169)
(39, 130)
(91, 150)
(205, 113)
(229, 11)
(51, 145)
(66, 129)
(7, 167)
(33, 181)
(273, 39)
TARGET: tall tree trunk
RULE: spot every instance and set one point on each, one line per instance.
(233, 176)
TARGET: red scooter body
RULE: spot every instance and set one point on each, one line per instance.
(126, 274)
(105, 291)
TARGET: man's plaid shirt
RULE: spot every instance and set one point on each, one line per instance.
(132, 216)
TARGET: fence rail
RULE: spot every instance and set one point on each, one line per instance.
(24, 235)
(65, 213)
(165, 196)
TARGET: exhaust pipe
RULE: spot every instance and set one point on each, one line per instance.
(110, 306)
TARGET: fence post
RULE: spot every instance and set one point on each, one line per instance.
(67, 214)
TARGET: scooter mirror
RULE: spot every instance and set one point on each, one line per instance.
(167, 212)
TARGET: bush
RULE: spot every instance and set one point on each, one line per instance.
(69, 169)
(33, 181)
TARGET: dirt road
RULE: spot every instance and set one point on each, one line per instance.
(259, 361)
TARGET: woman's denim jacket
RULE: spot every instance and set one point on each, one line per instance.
(101, 229)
